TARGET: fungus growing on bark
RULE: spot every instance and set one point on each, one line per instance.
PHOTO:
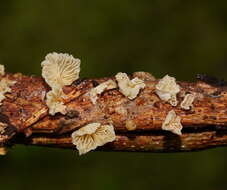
(172, 123)
(187, 103)
(108, 85)
(129, 88)
(5, 85)
(167, 89)
(60, 69)
(2, 70)
(91, 136)
(54, 101)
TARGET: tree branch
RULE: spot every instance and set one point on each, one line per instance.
(25, 114)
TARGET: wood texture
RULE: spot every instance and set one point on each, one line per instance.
(26, 115)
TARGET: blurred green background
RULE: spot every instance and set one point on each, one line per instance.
(181, 38)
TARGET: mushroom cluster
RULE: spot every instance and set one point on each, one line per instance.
(59, 70)
(167, 90)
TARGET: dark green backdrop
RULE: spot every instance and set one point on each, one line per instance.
(181, 38)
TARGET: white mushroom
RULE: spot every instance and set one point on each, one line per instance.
(129, 88)
(172, 123)
(91, 136)
(167, 89)
(54, 101)
(60, 69)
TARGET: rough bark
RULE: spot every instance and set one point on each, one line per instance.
(25, 113)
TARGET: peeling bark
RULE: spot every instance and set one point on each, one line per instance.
(25, 113)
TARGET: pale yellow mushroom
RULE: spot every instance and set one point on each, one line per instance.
(54, 101)
(91, 136)
(172, 123)
(167, 90)
(129, 88)
(60, 69)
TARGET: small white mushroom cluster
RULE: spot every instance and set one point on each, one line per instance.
(5, 84)
(129, 88)
(59, 70)
(94, 134)
(167, 90)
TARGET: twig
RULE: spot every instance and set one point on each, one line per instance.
(25, 113)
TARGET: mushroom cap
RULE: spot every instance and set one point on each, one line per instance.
(91, 136)
(60, 69)
(172, 123)
(54, 101)
(129, 88)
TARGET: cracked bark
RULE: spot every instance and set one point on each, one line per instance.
(26, 115)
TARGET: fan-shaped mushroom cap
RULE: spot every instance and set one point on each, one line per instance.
(60, 69)
(91, 136)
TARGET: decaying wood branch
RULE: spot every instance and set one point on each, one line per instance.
(25, 115)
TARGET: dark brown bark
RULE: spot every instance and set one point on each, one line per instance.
(26, 115)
